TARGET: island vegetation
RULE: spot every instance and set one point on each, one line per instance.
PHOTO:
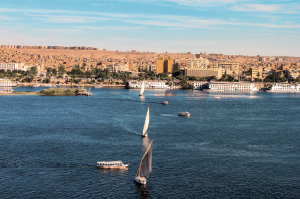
(59, 91)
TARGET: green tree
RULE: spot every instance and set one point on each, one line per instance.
(33, 70)
(54, 71)
(61, 71)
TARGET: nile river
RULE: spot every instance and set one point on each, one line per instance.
(232, 146)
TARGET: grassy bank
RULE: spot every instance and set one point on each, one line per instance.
(58, 91)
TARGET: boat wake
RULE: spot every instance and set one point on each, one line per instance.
(51, 166)
(168, 115)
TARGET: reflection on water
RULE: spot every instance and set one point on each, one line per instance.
(164, 94)
(219, 96)
(168, 115)
(141, 189)
(142, 98)
(115, 171)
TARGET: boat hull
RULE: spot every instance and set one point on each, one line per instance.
(165, 102)
(113, 167)
(144, 135)
(141, 180)
(184, 114)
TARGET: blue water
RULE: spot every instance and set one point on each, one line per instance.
(232, 146)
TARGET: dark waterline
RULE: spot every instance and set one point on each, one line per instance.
(232, 146)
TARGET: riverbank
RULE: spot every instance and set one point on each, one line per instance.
(20, 93)
(72, 85)
(52, 92)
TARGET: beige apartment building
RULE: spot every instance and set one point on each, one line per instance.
(198, 72)
(160, 65)
(164, 65)
(168, 65)
(230, 68)
(256, 72)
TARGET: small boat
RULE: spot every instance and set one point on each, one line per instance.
(165, 102)
(36, 85)
(145, 167)
(142, 89)
(84, 92)
(98, 86)
(146, 124)
(112, 165)
(186, 114)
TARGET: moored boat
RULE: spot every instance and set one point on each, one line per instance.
(165, 102)
(98, 86)
(133, 84)
(112, 165)
(186, 114)
(232, 87)
(284, 88)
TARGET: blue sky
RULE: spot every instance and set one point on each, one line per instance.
(235, 27)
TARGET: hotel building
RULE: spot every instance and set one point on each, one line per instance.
(9, 66)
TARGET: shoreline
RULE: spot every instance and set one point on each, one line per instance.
(66, 85)
(20, 93)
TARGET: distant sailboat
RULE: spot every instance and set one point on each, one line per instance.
(142, 89)
(146, 125)
(145, 167)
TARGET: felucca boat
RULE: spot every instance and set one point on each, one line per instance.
(145, 167)
(142, 89)
(146, 124)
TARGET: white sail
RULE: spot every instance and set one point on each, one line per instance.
(145, 167)
(146, 125)
(142, 89)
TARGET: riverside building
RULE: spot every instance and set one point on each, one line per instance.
(164, 65)
(198, 72)
(9, 66)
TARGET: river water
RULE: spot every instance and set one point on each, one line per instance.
(232, 146)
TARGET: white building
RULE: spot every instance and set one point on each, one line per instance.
(9, 66)
(201, 63)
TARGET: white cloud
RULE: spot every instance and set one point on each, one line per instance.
(68, 18)
(55, 30)
(109, 28)
(204, 2)
(5, 18)
(144, 20)
(268, 8)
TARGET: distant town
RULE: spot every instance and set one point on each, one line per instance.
(65, 65)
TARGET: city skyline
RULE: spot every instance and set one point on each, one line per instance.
(236, 27)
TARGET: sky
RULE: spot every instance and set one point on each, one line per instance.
(231, 27)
